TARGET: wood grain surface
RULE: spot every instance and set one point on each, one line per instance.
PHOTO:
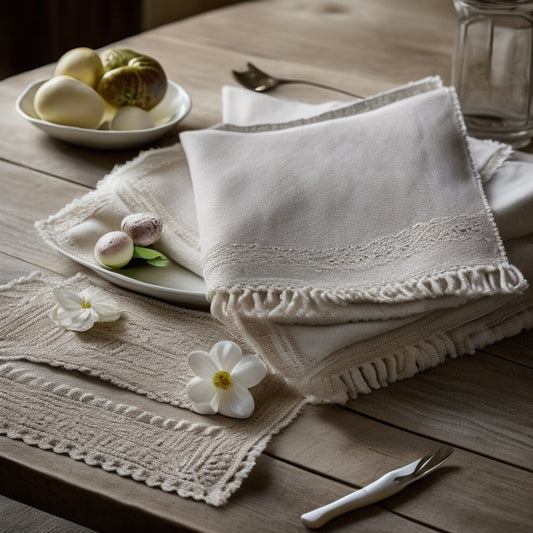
(479, 404)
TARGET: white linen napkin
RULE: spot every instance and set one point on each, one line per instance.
(331, 362)
(510, 194)
(155, 181)
(325, 362)
(243, 107)
(371, 211)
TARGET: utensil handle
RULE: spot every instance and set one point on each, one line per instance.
(378, 490)
(318, 517)
(322, 86)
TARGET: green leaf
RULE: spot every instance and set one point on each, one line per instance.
(153, 257)
(160, 261)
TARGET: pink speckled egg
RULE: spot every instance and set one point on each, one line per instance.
(114, 249)
(143, 228)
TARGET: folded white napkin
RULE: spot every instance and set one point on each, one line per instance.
(370, 211)
(510, 193)
(156, 181)
(343, 358)
(420, 199)
(242, 107)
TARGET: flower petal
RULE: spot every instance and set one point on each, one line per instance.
(204, 408)
(226, 355)
(236, 402)
(66, 298)
(102, 303)
(249, 371)
(202, 364)
(78, 320)
(215, 401)
(90, 294)
(107, 314)
(200, 390)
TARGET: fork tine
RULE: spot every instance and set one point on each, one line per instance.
(253, 68)
(424, 461)
(424, 466)
(240, 76)
(432, 460)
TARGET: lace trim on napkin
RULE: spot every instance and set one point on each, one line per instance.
(405, 243)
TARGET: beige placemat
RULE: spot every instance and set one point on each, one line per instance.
(145, 351)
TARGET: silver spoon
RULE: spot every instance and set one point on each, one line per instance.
(260, 81)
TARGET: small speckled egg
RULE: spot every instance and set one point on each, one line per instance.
(143, 228)
(114, 249)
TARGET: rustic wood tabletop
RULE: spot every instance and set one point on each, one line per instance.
(480, 404)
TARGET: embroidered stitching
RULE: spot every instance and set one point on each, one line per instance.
(404, 244)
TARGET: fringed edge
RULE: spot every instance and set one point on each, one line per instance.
(502, 153)
(84, 206)
(308, 305)
(411, 360)
(220, 497)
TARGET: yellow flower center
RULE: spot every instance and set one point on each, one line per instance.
(85, 305)
(222, 380)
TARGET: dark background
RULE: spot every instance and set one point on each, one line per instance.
(37, 32)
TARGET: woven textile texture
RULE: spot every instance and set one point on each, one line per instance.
(145, 351)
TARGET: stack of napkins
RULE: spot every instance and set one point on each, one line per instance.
(352, 245)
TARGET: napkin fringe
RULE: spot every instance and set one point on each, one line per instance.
(413, 359)
(289, 305)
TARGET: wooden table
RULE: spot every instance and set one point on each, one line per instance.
(480, 404)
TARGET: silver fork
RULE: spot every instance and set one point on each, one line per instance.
(260, 81)
(384, 487)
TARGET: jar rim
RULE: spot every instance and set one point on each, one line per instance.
(494, 3)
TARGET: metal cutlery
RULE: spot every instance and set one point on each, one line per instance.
(384, 487)
(259, 81)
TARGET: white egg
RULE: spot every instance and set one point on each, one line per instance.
(114, 249)
(131, 118)
(81, 63)
(68, 101)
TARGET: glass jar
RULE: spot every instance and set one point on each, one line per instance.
(493, 70)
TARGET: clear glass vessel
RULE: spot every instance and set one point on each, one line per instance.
(493, 68)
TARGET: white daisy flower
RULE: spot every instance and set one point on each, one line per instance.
(79, 312)
(222, 380)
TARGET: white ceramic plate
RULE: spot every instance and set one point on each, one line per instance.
(173, 108)
(172, 283)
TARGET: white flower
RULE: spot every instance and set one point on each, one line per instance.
(79, 312)
(222, 380)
